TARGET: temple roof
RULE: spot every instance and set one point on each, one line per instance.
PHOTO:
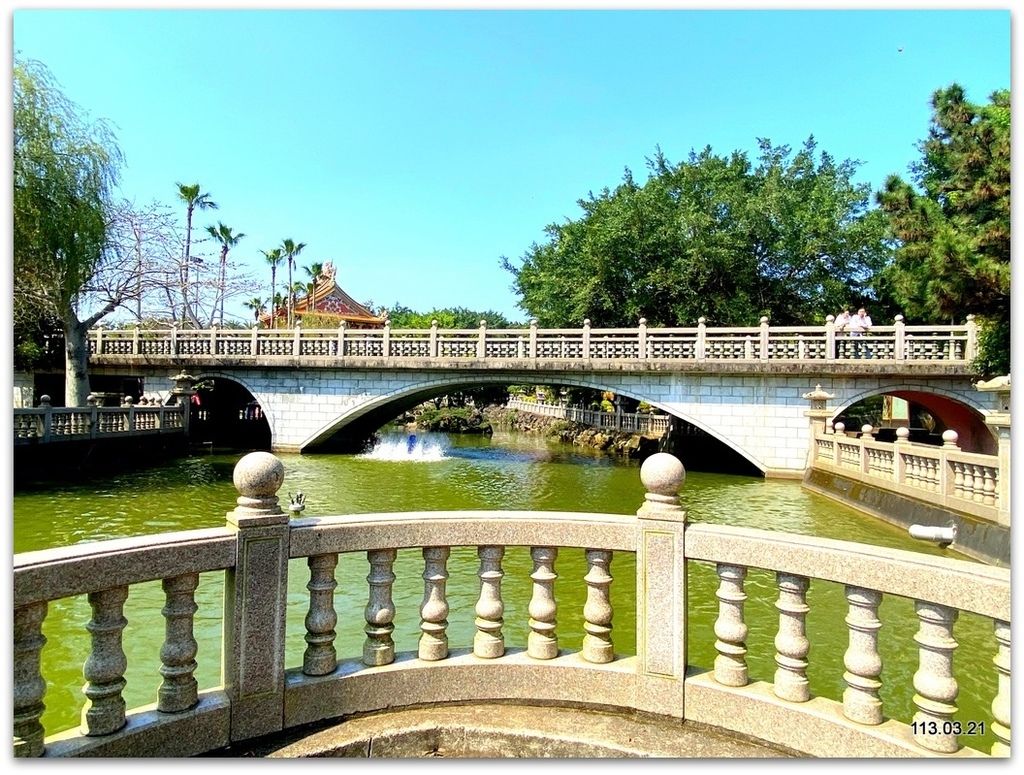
(330, 300)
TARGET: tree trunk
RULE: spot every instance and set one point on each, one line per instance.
(76, 363)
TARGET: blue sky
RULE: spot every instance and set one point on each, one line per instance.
(415, 148)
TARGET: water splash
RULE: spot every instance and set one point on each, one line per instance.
(408, 448)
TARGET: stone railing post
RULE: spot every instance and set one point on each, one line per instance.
(899, 461)
(700, 346)
(255, 600)
(661, 588)
(342, 326)
(533, 338)
(174, 338)
(99, 338)
(135, 339)
(385, 347)
(999, 421)
(254, 341)
(971, 350)
(213, 339)
(481, 344)
(297, 338)
(433, 338)
(642, 339)
(830, 337)
(764, 338)
(586, 339)
(899, 348)
(44, 404)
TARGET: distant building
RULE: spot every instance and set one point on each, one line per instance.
(328, 300)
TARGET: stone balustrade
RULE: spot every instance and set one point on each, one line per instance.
(262, 695)
(45, 423)
(946, 476)
(635, 422)
(952, 344)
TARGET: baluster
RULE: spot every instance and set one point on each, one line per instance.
(1001, 703)
(29, 685)
(379, 648)
(597, 612)
(179, 690)
(730, 629)
(321, 657)
(862, 661)
(989, 487)
(979, 484)
(542, 642)
(936, 688)
(791, 643)
(933, 474)
(104, 669)
(958, 479)
(489, 641)
(968, 492)
(434, 610)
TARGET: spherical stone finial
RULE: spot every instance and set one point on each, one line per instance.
(903, 433)
(258, 475)
(839, 428)
(866, 429)
(949, 438)
(662, 474)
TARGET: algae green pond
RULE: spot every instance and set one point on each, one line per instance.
(503, 471)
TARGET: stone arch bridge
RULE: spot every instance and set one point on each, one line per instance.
(745, 387)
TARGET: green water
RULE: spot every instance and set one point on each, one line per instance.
(506, 471)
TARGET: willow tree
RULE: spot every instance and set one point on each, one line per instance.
(65, 168)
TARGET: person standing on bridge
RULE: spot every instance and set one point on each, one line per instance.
(859, 326)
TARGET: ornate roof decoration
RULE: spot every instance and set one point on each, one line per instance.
(330, 300)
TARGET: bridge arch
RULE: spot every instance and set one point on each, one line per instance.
(230, 414)
(372, 413)
(955, 410)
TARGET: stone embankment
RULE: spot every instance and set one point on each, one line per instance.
(634, 445)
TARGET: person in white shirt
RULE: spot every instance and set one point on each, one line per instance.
(858, 326)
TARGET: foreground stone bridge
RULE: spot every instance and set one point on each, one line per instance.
(744, 386)
(270, 701)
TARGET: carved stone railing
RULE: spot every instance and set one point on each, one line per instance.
(45, 423)
(635, 422)
(945, 476)
(262, 695)
(952, 344)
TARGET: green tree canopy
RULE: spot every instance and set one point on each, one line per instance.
(448, 318)
(954, 227)
(65, 167)
(791, 237)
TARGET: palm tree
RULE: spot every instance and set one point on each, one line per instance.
(291, 250)
(273, 258)
(227, 240)
(314, 271)
(256, 304)
(193, 199)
